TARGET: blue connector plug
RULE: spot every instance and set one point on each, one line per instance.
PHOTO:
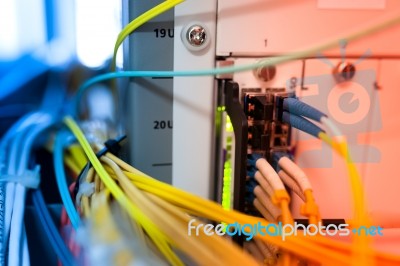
(301, 124)
(253, 158)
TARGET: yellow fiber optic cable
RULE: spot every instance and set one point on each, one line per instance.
(85, 207)
(85, 201)
(270, 258)
(313, 248)
(361, 242)
(214, 243)
(163, 219)
(78, 155)
(317, 240)
(294, 244)
(220, 246)
(158, 237)
(103, 219)
(137, 22)
(254, 251)
(70, 162)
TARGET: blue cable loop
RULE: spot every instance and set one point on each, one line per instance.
(299, 108)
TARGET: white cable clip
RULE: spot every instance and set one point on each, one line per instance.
(85, 189)
(29, 179)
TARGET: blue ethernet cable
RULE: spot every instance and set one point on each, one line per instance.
(61, 178)
(57, 243)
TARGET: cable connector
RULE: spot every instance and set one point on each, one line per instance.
(253, 158)
(279, 107)
(309, 209)
(29, 179)
(251, 172)
(301, 123)
(279, 196)
(249, 195)
(276, 156)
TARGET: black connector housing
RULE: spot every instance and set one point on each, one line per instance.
(257, 137)
(257, 107)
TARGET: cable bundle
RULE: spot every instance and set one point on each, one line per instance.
(121, 216)
(164, 223)
(164, 212)
(15, 151)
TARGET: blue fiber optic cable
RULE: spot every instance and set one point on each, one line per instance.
(5, 141)
(299, 108)
(207, 72)
(12, 194)
(24, 142)
(57, 243)
(62, 179)
(301, 123)
(225, 70)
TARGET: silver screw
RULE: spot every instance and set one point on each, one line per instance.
(344, 71)
(196, 35)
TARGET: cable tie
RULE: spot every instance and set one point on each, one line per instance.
(111, 145)
(85, 189)
(29, 179)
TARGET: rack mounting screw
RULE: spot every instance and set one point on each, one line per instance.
(196, 35)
